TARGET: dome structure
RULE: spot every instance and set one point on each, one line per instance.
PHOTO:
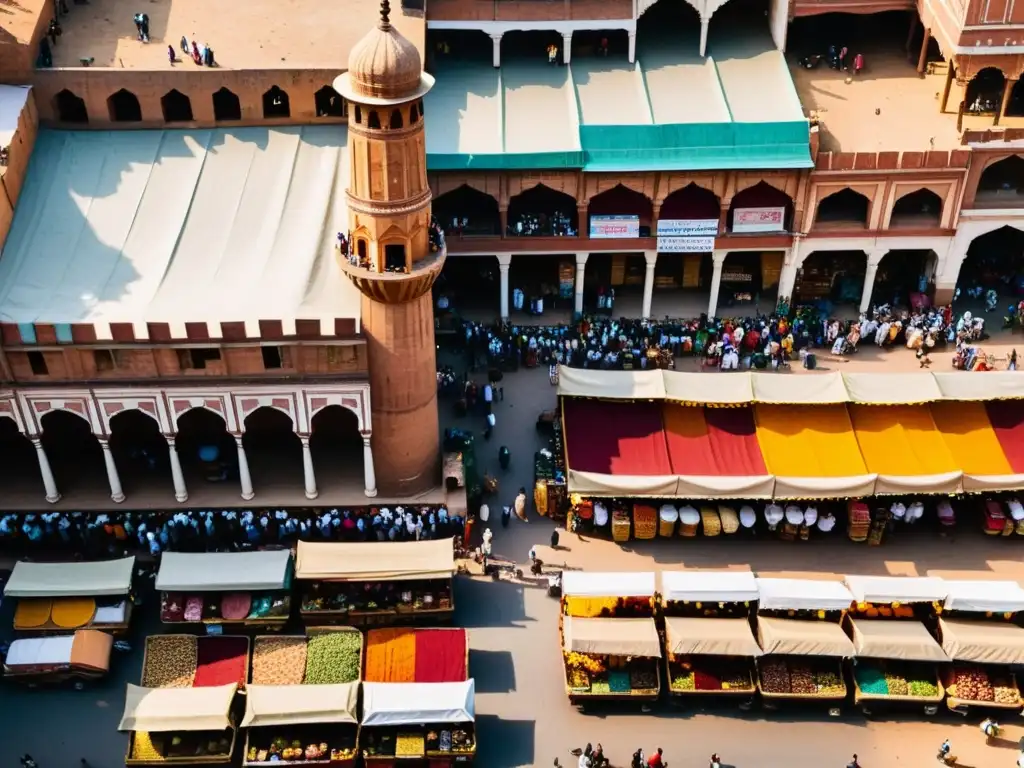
(384, 67)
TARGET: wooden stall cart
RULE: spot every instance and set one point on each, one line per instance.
(59, 598)
(35, 661)
(710, 659)
(610, 659)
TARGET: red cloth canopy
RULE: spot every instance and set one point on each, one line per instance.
(1007, 419)
(615, 438)
(712, 441)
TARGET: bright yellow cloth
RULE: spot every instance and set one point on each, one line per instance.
(972, 442)
(808, 441)
(73, 612)
(900, 440)
(32, 613)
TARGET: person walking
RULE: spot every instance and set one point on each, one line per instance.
(28, 761)
(184, 45)
(170, 54)
(657, 760)
(520, 505)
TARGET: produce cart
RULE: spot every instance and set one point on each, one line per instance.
(187, 661)
(190, 726)
(217, 590)
(82, 656)
(418, 724)
(376, 583)
(58, 598)
(611, 659)
(983, 654)
(301, 725)
(708, 594)
(710, 658)
(324, 656)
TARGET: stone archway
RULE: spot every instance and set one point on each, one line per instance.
(1001, 181)
(691, 202)
(620, 200)
(994, 260)
(75, 453)
(176, 106)
(273, 449)
(466, 211)
(123, 107)
(139, 449)
(543, 211)
(70, 108)
(921, 208)
(276, 103)
(19, 470)
(337, 449)
(760, 208)
(226, 106)
(329, 103)
(984, 93)
(832, 278)
(844, 208)
(205, 449)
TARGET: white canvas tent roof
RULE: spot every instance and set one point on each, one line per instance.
(375, 561)
(803, 595)
(87, 579)
(611, 385)
(709, 586)
(820, 389)
(611, 637)
(608, 583)
(896, 589)
(983, 642)
(803, 638)
(156, 710)
(223, 571)
(984, 596)
(300, 704)
(994, 385)
(714, 390)
(852, 486)
(418, 703)
(712, 637)
(901, 640)
(891, 388)
(596, 484)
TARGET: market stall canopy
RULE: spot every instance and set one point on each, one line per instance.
(901, 640)
(803, 595)
(611, 637)
(891, 388)
(610, 385)
(709, 586)
(802, 638)
(90, 579)
(159, 710)
(1007, 420)
(823, 389)
(375, 561)
(223, 571)
(608, 583)
(709, 637)
(896, 589)
(300, 704)
(699, 388)
(86, 649)
(975, 446)
(984, 596)
(983, 642)
(994, 385)
(418, 703)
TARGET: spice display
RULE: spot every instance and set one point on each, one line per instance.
(896, 685)
(333, 657)
(619, 682)
(279, 660)
(736, 681)
(609, 607)
(924, 688)
(828, 684)
(416, 655)
(801, 680)
(142, 747)
(643, 678)
(72, 612)
(600, 686)
(579, 679)
(705, 681)
(171, 661)
(409, 745)
(684, 682)
(871, 680)
(221, 661)
(775, 677)
(234, 606)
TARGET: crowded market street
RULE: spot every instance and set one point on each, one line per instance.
(523, 715)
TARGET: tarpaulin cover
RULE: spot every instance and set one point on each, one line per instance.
(983, 642)
(902, 445)
(611, 385)
(891, 388)
(608, 584)
(710, 586)
(984, 596)
(87, 649)
(156, 710)
(821, 389)
(91, 579)
(375, 561)
(896, 589)
(734, 389)
(223, 571)
(811, 450)
(417, 656)
(1007, 419)
(615, 438)
(802, 638)
(901, 640)
(803, 595)
(611, 637)
(974, 446)
(711, 637)
(418, 703)
(300, 704)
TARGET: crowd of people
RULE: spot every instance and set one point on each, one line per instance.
(99, 535)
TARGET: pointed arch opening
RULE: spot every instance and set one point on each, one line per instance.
(337, 449)
(619, 201)
(75, 455)
(273, 450)
(760, 208)
(276, 103)
(984, 94)
(373, 120)
(205, 449)
(543, 212)
(19, 471)
(329, 103)
(1002, 182)
(140, 451)
(226, 106)
(414, 115)
(466, 211)
(70, 108)
(843, 209)
(395, 121)
(905, 278)
(833, 281)
(124, 107)
(994, 262)
(691, 202)
(176, 106)
(919, 209)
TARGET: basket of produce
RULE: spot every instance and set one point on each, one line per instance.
(730, 520)
(882, 682)
(170, 661)
(799, 680)
(668, 516)
(328, 656)
(645, 521)
(973, 685)
(710, 521)
(689, 520)
(694, 675)
(620, 525)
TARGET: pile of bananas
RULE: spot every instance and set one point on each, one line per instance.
(587, 663)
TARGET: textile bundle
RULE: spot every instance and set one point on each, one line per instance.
(416, 656)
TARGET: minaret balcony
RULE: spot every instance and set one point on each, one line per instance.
(394, 285)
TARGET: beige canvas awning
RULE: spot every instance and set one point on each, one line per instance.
(710, 637)
(891, 388)
(610, 385)
(994, 385)
(612, 637)
(223, 571)
(600, 484)
(976, 483)
(901, 485)
(802, 638)
(375, 561)
(818, 389)
(155, 710)
(902, 640)
(90, 579)
(734, 389)
(300, 704)
(983, 642)
(853, 486)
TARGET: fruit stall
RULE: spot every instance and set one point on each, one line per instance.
(56, 598)
(190, 726)
(301, 724)
(218, 590)
(710, 657)
(708, 594)
(326, 656)
(405, 655)
(376, 583)
(417, 725)
(611, 659)
(188, 661)
(978, 634)
(800, 633)
(82, 656)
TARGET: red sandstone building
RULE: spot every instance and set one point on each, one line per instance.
(169, 276)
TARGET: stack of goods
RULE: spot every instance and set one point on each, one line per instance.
(799, 678)
(1017, 513)
(705, 681)
(457, 740)
(221, 661)
(279, 660)
(609, 607)
(326, 658)
(667, 519)
(896, 684)
(232, 606)
(971, 684)
(185, 747)
(186, 661)
(642, 677)
(61, 613)
(281, 750)
(610, 675)
(689, 519)
(871, 680)
(710, 521)
(891, 611)
(583, 670)
(416, 656)
(619, 680)
(996, 523)
(645, 521)
(730, 520)
(860, 521)
(620, 525)
(775, 677)
(32, 614)
(410, 745)
(875, 680)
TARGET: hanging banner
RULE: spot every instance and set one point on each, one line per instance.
(759, 220)
(685, 244)
(609, 227)
(687, 228)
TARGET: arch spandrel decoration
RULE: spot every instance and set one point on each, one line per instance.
(149, 405)
(216, 402)
(567, 183)
(705, 8)
(968, 67)
(356, 400)
(487, 185)
(246, 403)
(673, 182)
(37, 405)
(9, 410)
(598, 186)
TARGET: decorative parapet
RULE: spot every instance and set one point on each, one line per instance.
(991, 135)
(933, 160)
